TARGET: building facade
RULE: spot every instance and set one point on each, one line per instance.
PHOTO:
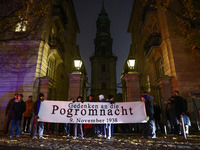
(103, 62)
(42, 61)
(163, 61)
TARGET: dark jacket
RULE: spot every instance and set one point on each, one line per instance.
(37, 106)
(149, 106)
(18, 109)
(157, 112)
(172, 113)
(180, 105)
(9, 106)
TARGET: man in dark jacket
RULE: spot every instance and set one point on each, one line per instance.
(18, 109)
(35, 123)
(9, 111)
(181, 108)
(157, 113)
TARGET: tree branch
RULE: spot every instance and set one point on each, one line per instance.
(25, 36)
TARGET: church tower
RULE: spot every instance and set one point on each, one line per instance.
(103, 63)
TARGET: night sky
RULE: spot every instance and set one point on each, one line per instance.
(119, 12)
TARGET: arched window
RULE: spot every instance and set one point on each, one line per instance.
(50, 69)
(161, 67)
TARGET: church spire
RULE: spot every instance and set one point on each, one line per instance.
(103, 41)
(103, 63)
(103, 11)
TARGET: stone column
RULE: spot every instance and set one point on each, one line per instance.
(75, 85)
(133, 86)
(165, 88)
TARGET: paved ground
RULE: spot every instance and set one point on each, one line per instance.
(119, 141)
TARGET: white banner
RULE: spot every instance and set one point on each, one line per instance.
(92, 112)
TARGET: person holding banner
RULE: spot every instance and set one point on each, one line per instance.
(102, 126)
(110, 127)
(76, 125)
(35, 123)
(148, 129)
(89, 129)
(67, 126)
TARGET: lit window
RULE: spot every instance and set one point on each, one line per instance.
(50, 69)
(148, 84)
(161, 67)
(21, 26)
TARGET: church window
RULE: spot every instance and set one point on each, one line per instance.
(103, 85)
(103, 68)
(161, 67)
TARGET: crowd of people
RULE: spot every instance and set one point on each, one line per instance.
(18, 110)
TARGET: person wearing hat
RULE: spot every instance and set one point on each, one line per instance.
(28, 114)
(36, 124)
(148, 129)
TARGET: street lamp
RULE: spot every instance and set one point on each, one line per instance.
(131, 64)
(78, 64)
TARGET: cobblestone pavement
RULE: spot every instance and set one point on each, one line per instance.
(119, 141)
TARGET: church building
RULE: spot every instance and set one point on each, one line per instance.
(103, 63)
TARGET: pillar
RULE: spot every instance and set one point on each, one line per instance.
(165, 88)
(75, 85)
(45, 84)
(133, 86)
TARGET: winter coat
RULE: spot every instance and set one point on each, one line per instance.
(9, 107)
(172, 114)
(180, 105)
(29, 108)
(157, 112)
(18, 109)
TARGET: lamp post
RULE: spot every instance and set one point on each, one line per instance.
(131, 64)
(76, 79)
(132, 82)
(77, 65)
